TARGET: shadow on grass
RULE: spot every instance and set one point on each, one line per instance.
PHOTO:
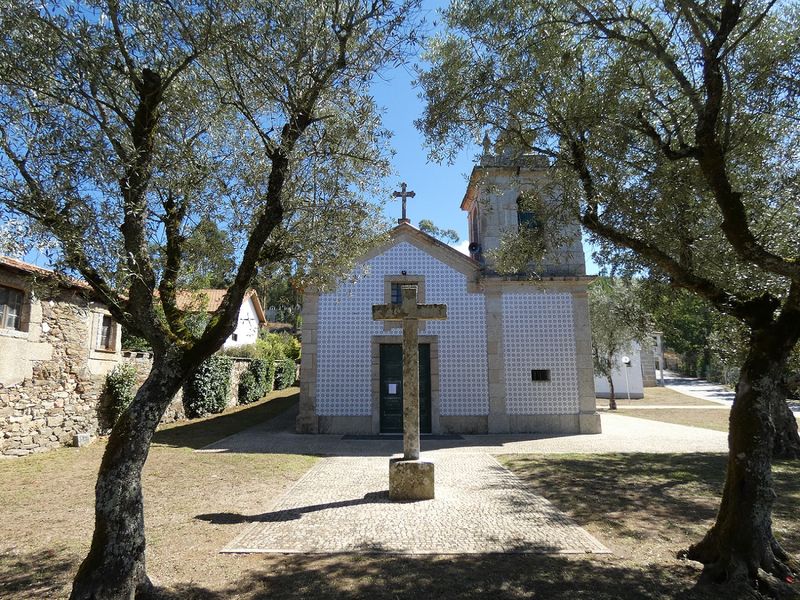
(34, 575)
(496, 577)
(648, 495)
(202, 432)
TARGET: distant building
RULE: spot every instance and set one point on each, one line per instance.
(640, 371)
(251, 315)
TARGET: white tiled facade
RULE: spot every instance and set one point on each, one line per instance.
(346, 328)
(538, 333)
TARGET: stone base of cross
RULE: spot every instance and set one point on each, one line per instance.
(409, 477)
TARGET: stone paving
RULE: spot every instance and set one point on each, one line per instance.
(713, 392)
(341, 505)
(620, 434)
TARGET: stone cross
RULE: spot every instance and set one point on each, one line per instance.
(410, 313)
(403, 194)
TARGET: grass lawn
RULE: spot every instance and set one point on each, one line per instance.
(47, 504)
(713, 418)
(655, 396)
(644, 507)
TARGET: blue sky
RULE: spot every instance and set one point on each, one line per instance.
(439, 188)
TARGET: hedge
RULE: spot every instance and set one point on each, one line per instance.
(206, 391)
(120, 390)
(256, 381)
(285, 373)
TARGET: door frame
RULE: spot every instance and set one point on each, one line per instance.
(377, 340)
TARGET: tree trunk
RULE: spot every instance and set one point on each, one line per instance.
(787, 440)
(741, 541)
(612, 401)
(114, 569)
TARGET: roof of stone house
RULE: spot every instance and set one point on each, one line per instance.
(209, 299)
(29, 269)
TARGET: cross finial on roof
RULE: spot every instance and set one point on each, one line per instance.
(403, 194)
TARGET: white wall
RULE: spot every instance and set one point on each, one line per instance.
(634, 376)
(538, 333)
(246, 331)
(345, 329)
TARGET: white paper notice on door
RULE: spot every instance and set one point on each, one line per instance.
(392, 388)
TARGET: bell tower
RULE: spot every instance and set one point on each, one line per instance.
(494, 202)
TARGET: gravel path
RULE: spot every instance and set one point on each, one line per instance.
(620, 434)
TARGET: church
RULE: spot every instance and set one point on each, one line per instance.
(512, 356)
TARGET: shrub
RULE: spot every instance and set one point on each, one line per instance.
(206, 391)
(264, 371)
(279, 345)
(243, 351)
(256, 381)
(291, 348)
(285, 373)
(248, 390)
(120, 390)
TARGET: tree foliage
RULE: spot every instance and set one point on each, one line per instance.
(129, 122)
(427, 226)
(672, 131)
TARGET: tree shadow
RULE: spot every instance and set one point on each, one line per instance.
(642, 495)
(40, 574)
(292, 514)
(495, 576)
(202, 432)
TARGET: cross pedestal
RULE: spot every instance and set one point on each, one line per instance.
(409, 477)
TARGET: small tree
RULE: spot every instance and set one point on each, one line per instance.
(618, 320)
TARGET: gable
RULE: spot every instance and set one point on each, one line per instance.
(437, 250)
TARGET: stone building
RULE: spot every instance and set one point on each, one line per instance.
(514, 354)
(56, 346)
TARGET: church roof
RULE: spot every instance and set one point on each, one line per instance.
(405, 232)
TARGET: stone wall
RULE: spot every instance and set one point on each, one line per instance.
(47, 411)
(57, 397)
(52, 371)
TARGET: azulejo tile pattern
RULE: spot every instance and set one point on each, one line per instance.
(538, 333)
(346, 328)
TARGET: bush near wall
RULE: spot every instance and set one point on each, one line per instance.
(206, 391)
(285, 374)
(119, 391)
(257, 381)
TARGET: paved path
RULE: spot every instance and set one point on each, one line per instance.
(698, 388)
(341, 504)
(714, 392)
(620, 434)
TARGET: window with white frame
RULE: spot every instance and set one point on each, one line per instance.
(105, 333)
(11, 308)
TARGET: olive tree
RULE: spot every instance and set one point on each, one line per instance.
(618, 320)
(672, 128)
(125, 123)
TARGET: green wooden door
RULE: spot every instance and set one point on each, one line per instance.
(392, 388)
